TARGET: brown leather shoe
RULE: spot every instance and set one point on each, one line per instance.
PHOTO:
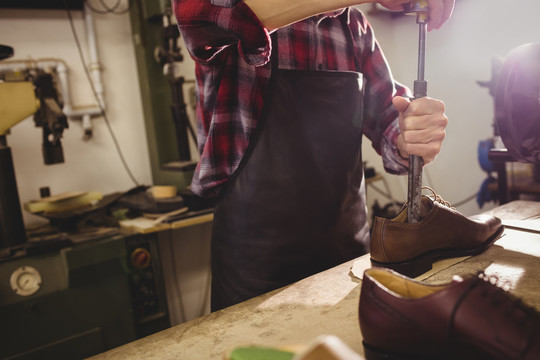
(411, 248)
(465, 319)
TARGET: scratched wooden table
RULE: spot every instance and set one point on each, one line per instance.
(327, 303)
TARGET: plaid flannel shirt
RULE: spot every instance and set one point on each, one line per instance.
(232, 52)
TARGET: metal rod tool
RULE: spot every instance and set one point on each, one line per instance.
(420, 9)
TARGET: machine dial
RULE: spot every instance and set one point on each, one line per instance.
(140, 258)
(25, 281)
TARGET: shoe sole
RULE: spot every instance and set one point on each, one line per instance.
(455, 351)
(371, 353)
(423, 263)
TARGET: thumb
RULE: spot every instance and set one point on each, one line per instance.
(400, 103)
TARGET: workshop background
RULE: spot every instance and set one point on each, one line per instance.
(457, 56)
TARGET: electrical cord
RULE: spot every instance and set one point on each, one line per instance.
(381, 192)
(206, 294)
(176, 282)
(109, 9)
(113, 10)
(102, 110)
(464, 201)
(459, 203)
(388, 194)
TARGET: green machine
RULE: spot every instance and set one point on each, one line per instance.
(58, 299)
(66, 304)
(74, 300)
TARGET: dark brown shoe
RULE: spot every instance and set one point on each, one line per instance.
(469, 318)
(411, 248)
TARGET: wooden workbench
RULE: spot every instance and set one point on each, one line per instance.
(327, 303)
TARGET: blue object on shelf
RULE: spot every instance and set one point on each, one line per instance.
(484, 195)
(483, 151)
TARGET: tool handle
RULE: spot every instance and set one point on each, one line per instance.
(415, 188)
(420, 89)
(416, 162)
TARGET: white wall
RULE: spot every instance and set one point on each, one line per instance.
(94, 164)
(457, 56)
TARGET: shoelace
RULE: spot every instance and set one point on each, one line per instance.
(435, 197)
(438, 198)
(498, 290)
(494, 279)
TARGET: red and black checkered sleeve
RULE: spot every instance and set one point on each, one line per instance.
(210, 27)
(380, 116)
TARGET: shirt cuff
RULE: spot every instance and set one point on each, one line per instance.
(255, 42)
(211, 28)
(393, 162)
(225, 3)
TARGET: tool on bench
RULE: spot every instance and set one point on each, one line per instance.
(420, 9)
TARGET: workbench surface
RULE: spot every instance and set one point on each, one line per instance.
(327, 303)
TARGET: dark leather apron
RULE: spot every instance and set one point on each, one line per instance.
(296, 206)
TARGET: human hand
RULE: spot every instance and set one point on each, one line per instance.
(422, 125)
(439, 10)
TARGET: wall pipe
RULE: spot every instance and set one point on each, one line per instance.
(94, 65)
(81, 112)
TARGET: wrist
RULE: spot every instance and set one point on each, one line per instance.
(279, 13)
